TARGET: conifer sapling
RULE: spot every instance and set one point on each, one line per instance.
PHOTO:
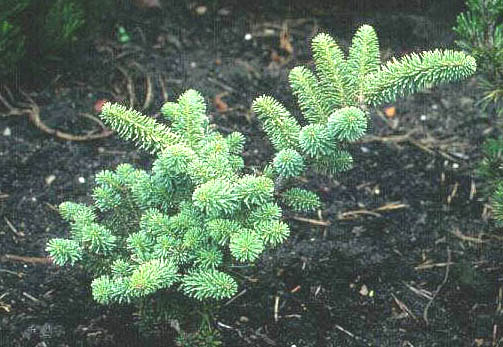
(180, 225)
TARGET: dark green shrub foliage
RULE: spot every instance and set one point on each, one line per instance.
(480, 32)
(12, 40)
(35, 31)
(491, 170)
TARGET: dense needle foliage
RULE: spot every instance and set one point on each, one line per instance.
(178, 228)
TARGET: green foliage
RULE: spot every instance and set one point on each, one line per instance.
(301, 200)
(12, 40)
(288, 163)
(62, 23)
(36, 31)
(178, 229)
(491, 170)
(491, 166)
(347, 124)
(246, 245)
(497, 204)
(480, 33)
(411, 73)
(64, 251)
(335, 98)
(11, 45)
(208, 283)
(144, 131)
(204, 337)
(282, 129)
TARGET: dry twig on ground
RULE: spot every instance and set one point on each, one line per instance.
(32, 110)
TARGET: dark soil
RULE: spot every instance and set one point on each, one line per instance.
(417, 264)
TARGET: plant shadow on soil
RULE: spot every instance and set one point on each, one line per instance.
(365, 280)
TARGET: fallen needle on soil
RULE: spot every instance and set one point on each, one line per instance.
(439, 288)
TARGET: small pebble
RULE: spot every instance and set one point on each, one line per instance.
(434, 107)
(244, 319)
(423, 117)
(200, 10)
(466, 101)
(224, 12)
(193, 65)
(365, 149)
(269, 32)
(82, 180)
(7, 132)
(49, 179)
(446, 103)
(248, 37)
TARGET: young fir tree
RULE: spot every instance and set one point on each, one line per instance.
(176, 229)
(480, 33)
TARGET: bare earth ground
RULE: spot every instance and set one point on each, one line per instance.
(401, 255)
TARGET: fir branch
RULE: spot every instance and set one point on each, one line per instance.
(155, 223)
(209, 257)
(78, 213)
(288, 163)
(316, 140)
(347, 124)
(150, 192)
(253, 190)
(140, 246)
(98, 239)
(307, 90)
(106, 198)
(221, 229)
(103, 289)
(215, 198)
(273, 232)
(194, 239)
(171, 247)
(414, 72)
(121, 268)
(265, 212)
(363, 60)
(331, 71)
(301, 200)
(282, 129)
(132, 125)
(235, 141)
(151, 276)
(174, 161)
(63, 251)
(188, 116)
(334, 163)
(205, 284)
(246, 245)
